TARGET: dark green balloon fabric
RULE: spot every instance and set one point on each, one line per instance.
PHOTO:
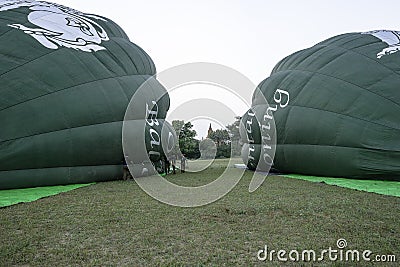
(66, 79)
(341, 114)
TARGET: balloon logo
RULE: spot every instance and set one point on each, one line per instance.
(392, 38)
(59, 26)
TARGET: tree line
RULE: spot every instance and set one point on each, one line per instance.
(221, 143)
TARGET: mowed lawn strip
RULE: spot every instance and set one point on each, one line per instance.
(116, 223)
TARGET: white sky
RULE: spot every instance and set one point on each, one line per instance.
(249, 36)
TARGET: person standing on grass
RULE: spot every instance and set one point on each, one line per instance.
(173, 163)
(183, 163)
(167, 165)
(126, 173)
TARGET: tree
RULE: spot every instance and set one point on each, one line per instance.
(222, 140)
(188, 145)
(177, 125)
(233, 130)
(224, 150)
(219, 137)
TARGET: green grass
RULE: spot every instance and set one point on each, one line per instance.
(14, 196)
(116, 223)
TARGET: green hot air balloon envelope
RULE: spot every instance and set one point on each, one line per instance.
(66, 80)
(337, 107)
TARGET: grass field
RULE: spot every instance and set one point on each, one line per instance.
(117, 224)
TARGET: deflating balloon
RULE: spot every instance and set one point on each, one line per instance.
(336, 107)
(66, 80)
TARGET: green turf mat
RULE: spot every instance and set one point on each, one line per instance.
(389, 188)
(14, 196)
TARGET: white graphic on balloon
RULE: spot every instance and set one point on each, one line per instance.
(60, 26)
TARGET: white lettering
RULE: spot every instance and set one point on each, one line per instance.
(151, 115)
(278, 98)
(268, 159)
(251, 150)
(155, 138)
(366, 254)
(297, 258)
(281, 255)
(262, 252)
(268, 114)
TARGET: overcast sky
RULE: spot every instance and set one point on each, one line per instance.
(249, 36)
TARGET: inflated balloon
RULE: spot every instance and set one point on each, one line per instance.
(336, 108)
(66, 81)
